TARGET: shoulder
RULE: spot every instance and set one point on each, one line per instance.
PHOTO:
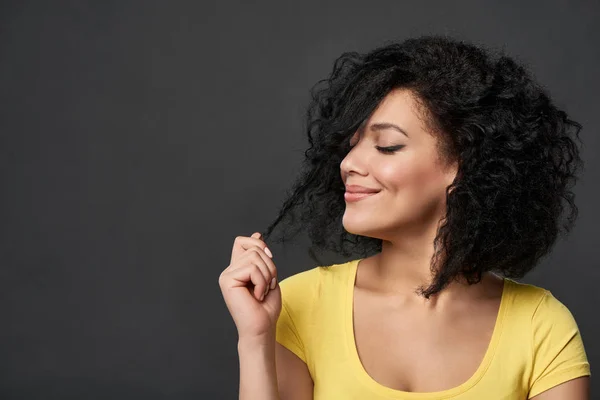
(553, 317)
(546, 320)
(524, 299)
(297, 286)
(556, 350)
(539, 303)
(526, 293)
(302, 288)
(298, 292)
(299, 278)
(303, 280)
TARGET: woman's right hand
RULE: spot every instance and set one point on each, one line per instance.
(243, 283)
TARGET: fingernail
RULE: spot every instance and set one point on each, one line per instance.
(273, 283)
(268, 252)
(262, 297)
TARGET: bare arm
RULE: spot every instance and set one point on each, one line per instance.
(293, 376)
(258, 377)
(269, 371)
(575, 389)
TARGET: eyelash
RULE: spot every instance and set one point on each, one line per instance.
(384, 150)
(389, 150)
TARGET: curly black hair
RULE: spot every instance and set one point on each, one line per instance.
(517, 157)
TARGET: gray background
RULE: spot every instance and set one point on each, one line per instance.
(139, 138)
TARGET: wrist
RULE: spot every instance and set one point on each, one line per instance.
(257, 342)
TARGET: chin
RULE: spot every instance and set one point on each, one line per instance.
(383, 229)
(362, 228)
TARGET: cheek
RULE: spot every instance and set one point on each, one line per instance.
(404, 175)
(411, 178)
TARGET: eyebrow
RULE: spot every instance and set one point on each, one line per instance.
(378, 126)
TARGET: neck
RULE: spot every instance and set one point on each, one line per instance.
(404, 264)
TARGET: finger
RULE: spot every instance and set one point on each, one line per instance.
(257, 256)
(270, 268)
(253, 256)
(242, 276)
(253, 266)
(268, 259)
(243, 243)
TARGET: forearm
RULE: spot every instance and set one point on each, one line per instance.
(258, 375)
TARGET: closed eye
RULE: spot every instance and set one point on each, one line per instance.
(390, 149)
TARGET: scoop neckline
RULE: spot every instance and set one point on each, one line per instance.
(371, 383)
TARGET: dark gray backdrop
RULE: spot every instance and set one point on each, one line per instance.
(138, 138)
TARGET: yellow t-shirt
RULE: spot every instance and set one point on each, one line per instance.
(535, 344)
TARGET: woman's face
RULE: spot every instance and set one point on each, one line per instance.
(409, 180)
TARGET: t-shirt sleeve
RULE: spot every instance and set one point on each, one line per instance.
(558, 351)
(287, 334)
(297, 301)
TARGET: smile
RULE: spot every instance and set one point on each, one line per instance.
(354, 196)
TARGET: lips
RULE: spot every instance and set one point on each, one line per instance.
(349, 196)
(360, 189)
(355, 192)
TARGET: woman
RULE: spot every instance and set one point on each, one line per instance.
(446, 169)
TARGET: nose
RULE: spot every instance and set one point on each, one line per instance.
(354, 162)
